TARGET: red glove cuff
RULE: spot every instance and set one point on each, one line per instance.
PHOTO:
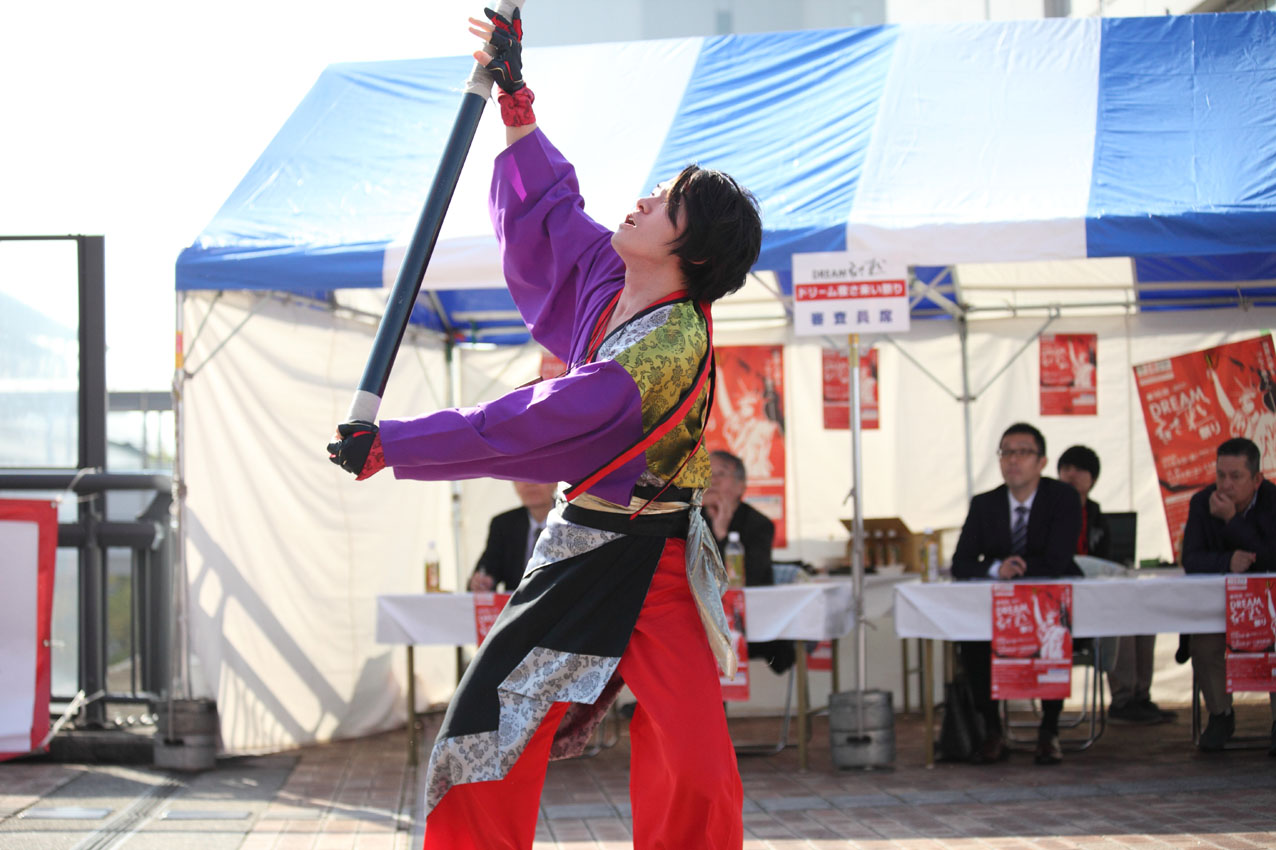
(516, 108)
(375, 462)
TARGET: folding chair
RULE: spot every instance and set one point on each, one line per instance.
(1090, 654)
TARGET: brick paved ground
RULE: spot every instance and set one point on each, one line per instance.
(1138, 787)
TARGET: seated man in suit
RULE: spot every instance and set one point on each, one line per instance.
(1131, 676)
(511, 537)
(1231, 528)
(726, 511)
(1026, 528)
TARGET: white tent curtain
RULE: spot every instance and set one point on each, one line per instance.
(285, 554)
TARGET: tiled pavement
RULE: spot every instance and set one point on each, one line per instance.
(1138, 787)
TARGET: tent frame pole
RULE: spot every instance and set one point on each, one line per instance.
(857, 550)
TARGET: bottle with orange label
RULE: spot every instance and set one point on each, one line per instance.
(432, 569)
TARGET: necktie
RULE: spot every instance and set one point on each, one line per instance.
(532, 534)
(1019, 532)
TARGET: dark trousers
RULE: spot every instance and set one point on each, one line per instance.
(976, 660)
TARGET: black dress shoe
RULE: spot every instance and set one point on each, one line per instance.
(1217, 732)
(992, 750)
(1164, 715)
(1049, 750)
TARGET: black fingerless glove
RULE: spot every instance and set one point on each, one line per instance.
(351, 451)
(506, 66)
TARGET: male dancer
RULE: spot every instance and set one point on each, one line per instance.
(625, 582)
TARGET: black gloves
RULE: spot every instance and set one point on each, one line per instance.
(350, 452)
(506, 66)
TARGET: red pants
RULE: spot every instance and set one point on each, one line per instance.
(684, 786)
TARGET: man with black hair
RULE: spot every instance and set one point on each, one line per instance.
(624, 585)
(1026, 528)
(1231, 528)
(1131, 675)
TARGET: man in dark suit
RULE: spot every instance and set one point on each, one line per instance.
(1130, 678)
(1026, 528)
(726, 511)
(1231, 528)
(511, 537)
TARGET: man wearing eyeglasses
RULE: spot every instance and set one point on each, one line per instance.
(1026, 528)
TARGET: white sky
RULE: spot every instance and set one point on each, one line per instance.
(135, 120)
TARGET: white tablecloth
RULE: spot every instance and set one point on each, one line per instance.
(814, 610)
(1101, 607)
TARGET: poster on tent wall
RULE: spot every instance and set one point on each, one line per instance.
(1251, 633)
(843, 293)
(836, 368)
(1031, 641)
(1193, 402)
(29, 540)
(736, 688)
(748, 421)
(1068, 364)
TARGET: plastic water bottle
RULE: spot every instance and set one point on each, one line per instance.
(432, 569)
(734, 559)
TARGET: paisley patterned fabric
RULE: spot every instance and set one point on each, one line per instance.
(543, 678)
(664, 362)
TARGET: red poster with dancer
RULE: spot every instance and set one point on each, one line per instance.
(748, 421)
(1193, 402)
(1251, 633)
(836, 370)
(736, 689)
(1068, 364)
(487, 607)
(1031, 641)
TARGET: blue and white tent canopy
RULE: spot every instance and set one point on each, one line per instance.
(937, 145)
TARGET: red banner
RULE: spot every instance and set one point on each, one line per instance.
(736, 689)
(1031, 641)
(1251, 633)
(820, 658)
(1193, 402)
(837, 390)
(487, 607)
(748, 421)
(29, 541)
(1068, 364)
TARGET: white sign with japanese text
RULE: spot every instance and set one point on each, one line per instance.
(841, 293)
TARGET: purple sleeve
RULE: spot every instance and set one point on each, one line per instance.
(557, 430)
(558, 261)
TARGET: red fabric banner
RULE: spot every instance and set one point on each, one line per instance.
(837, 390)
(748, 421)
(1068, 365)
(1193, 402)
(29, 540)
(487, 607)
(820, 658)
(1031, 641)
(1251, 633)
(736, 689)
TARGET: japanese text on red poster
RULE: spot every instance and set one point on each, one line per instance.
(1031, 641)
(1193, 402)
(1068, 365)
(748, 421)
(1251, 633)
(837, 390)
(487, 607)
